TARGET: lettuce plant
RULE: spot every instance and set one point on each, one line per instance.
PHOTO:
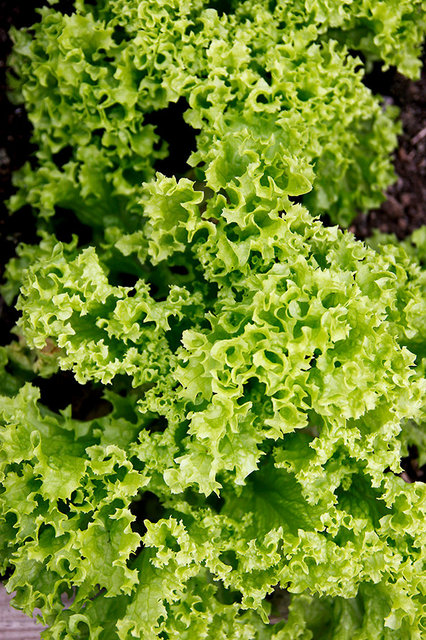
(262, 86)
(263, 372)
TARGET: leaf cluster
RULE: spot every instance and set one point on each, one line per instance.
(263, 373)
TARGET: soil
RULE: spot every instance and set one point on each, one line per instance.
(15, 147)
(403, 211)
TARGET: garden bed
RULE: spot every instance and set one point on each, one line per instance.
(403, 211)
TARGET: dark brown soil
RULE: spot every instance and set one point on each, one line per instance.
(15, 132)
(404, 210)
(15, 147)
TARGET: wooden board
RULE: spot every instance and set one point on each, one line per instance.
(15, 625)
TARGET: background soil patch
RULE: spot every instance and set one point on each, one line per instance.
(404, 210)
